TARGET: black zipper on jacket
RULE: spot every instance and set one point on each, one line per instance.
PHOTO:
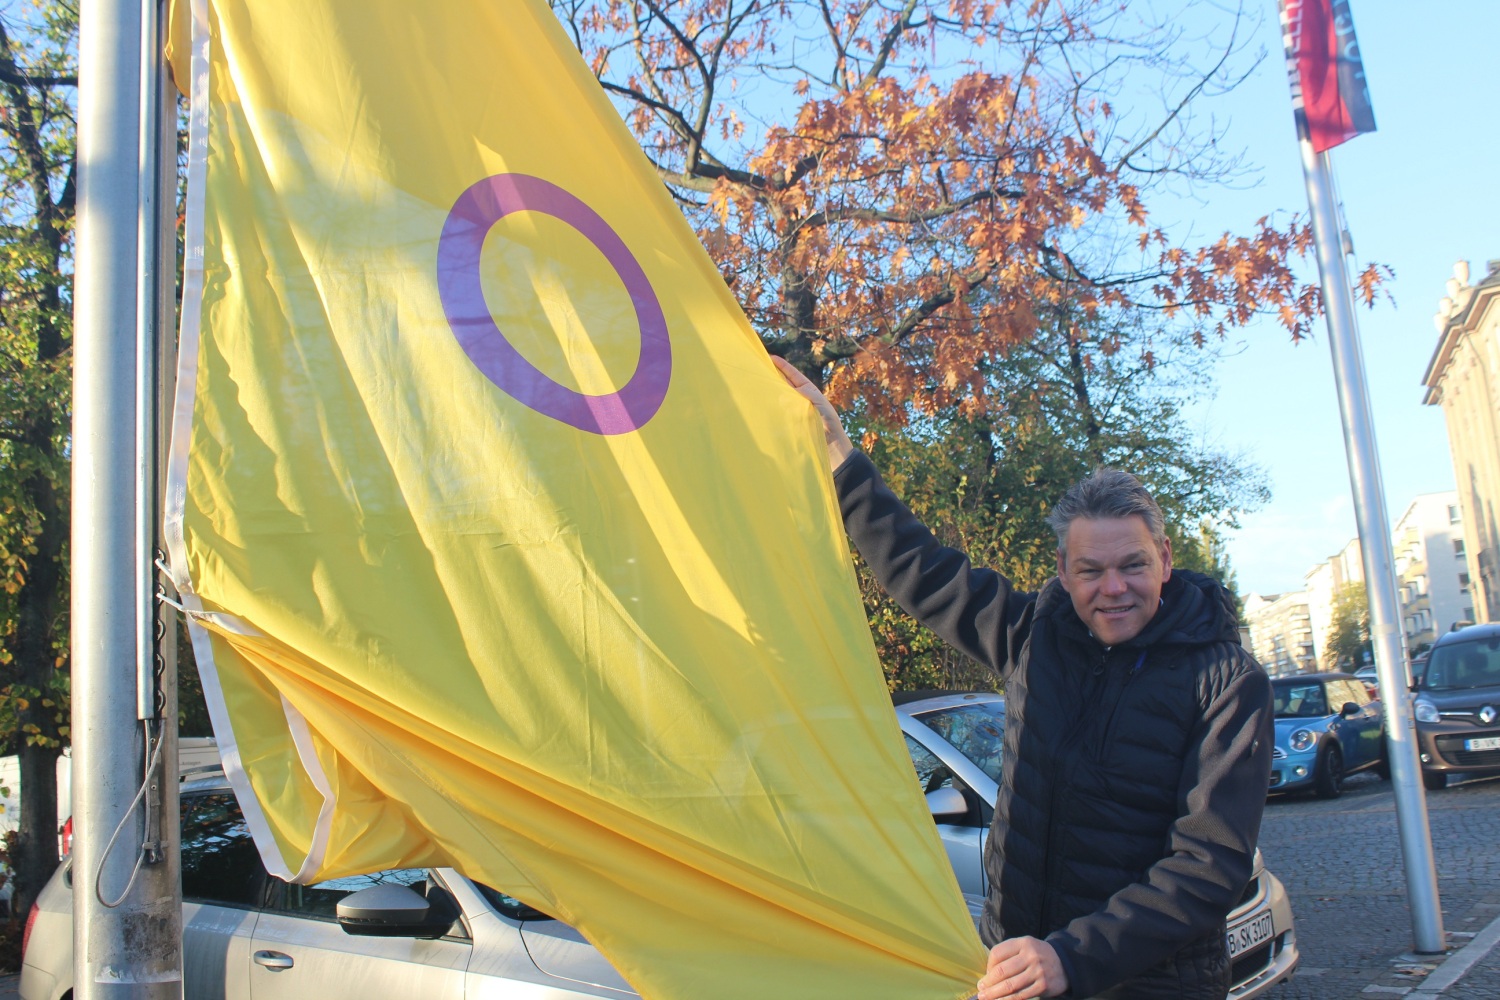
(1114, 709)
(1064, 755)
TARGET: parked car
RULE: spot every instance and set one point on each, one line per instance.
(1415, 665)
(1457, 705)
(1419, 666)
(1327, 727)
(433, 933)
(955, 744)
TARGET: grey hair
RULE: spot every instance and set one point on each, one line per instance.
(1105, 494)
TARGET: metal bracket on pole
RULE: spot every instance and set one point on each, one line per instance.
(148, 325)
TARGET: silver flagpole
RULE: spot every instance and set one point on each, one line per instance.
(1375, 542)
(127, 917)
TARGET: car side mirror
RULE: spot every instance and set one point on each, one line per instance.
(391, 911)
(1350, 710)
(946, 803)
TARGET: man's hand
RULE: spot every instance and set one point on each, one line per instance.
(839, 445)
(1022, 968)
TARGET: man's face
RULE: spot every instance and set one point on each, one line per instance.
(1114, 570)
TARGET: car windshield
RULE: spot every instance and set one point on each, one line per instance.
(977, 730)
(1464, 665)
(1300, 700)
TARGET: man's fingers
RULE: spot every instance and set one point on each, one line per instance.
(1006, 959)
(839, 445)
(1006, 978)
(793, 377)
(1021, 969)
(1002, 952)
(1022, 986)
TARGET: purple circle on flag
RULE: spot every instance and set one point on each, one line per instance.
(473, 216)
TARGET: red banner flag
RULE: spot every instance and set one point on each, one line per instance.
(1330, 96)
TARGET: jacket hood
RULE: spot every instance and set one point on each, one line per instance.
(1195, 609)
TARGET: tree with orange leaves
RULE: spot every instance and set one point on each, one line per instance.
(896, 189)
(938, 211)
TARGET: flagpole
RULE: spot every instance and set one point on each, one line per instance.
(1375, 543)
(127, 913)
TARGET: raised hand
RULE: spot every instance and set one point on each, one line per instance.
(839, 445)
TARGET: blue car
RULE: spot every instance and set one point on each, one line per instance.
(1327, 727)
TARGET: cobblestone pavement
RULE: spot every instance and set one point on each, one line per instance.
(1341, 863)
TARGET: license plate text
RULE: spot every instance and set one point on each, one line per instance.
(1244, 936)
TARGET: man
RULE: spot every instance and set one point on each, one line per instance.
(1137, 744)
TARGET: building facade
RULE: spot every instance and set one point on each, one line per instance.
(1280, 633)
(1463, 378)
(1432, 569)
(1323, 584)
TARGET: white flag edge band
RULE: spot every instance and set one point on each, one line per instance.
(189, 338)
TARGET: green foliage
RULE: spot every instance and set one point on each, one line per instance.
(37, 166)
(1349, 643)
(1203, 552)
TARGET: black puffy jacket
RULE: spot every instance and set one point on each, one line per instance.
(1134, 776)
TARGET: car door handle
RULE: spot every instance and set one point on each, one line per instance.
(273, 960)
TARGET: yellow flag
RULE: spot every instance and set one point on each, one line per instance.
(510, 549)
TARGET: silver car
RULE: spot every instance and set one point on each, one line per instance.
(955, 741)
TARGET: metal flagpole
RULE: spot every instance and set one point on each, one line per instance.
(1375, 543)
(127, 913)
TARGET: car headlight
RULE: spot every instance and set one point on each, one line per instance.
(1427, 712)
(1302, 739)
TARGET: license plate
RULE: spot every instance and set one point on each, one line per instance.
(1484, 743)
(1244, 936)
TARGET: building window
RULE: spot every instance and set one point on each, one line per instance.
(1458, 547)
(1454, 515)
(1463, 582)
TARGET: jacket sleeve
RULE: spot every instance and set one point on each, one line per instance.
(975, 610)
(1211, 848)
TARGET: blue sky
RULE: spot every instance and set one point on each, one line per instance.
(1419, 194)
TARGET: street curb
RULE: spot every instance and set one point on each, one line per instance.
(1461, 961)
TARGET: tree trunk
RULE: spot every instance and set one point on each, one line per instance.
(799, 306)
(35, 855)
(35, 656)
(1078, 376)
